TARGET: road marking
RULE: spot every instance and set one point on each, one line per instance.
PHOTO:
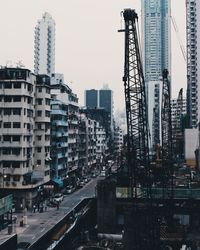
(42, 230)
(33, 237)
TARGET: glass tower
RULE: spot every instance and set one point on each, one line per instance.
(156, 44)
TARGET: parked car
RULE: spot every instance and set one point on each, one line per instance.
(103, 173)
(58, 197)
(69, 189)
(81, 183)
(93, 175)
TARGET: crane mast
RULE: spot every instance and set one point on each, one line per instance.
(166, 124)
(135, 100)
(141, 228)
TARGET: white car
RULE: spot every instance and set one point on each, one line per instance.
(58, 197)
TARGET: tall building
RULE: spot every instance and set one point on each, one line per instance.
(102, 98)
(91, 98)
(44, 48)
(67, 131)
(156, 39)
(193, 61)
(25, 133)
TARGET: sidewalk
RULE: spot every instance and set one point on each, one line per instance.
(34, 223)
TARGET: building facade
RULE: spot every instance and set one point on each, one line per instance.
(44, 46)
(156, 37)
(60, 92)
(101, 99)
(193, 61)
(25, 133)
(59, 140)
(91, 98)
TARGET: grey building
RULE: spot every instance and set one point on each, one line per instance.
(156, 43)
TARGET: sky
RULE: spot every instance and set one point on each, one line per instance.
(89, 50)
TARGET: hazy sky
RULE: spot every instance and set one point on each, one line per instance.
(89, 50)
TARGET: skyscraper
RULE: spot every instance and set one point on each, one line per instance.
(156, 39)
(193, 60)
(91, 98)
(44, 49)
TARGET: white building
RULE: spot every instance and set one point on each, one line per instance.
(118, 140)
(101, 142)
(25, 133)
(44, 48)
(175, 111)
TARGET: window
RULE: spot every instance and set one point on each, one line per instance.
(17, 85)
(47, 137)
(16, 177)
(16, 164)
(6, 151)
(6, 165)
(17, 98)
(39, 125)
(29, 113)
(16, 137)
(8, 85)
(16, 125)
(16, 111)
(7, 125)
(16, 151)
(39, 137)
(39, 149)
(38, 162)
(39, 113)
(7, 99)
(30, 88)
(47, 113)
(47, 90)
(7, 138)
(39, 101)
(40, 89)
(47, 101)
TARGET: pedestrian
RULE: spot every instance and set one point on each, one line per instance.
(34, 208)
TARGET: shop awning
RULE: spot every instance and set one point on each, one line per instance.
(58, 181)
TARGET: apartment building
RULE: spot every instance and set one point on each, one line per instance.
(62, 93)
(24, 122)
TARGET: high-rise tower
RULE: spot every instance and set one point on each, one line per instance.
(193, 61)
(156, 37)
(44, 49)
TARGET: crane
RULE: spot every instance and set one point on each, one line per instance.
(135, 100)
(166, 126)
(141, 230)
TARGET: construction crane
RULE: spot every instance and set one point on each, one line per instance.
(141, 228)
(166, 125)
(178, 126)
(135, 100)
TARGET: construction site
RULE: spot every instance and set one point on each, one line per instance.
(153, 201)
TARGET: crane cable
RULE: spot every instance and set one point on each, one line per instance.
(179, 38)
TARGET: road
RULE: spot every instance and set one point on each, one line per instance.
(40, 223)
